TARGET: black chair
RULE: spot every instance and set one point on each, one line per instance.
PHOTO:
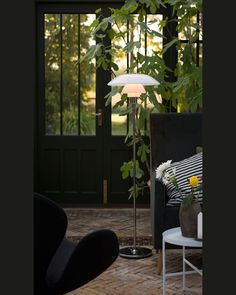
(173, 136)
(60, 265)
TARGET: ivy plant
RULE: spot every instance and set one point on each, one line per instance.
(184, 92)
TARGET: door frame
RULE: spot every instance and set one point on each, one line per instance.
(109, 142)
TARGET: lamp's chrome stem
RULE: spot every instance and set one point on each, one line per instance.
(134, 251)
(133, 102)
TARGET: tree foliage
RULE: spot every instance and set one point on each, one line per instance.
(184, 92)
(64, 78)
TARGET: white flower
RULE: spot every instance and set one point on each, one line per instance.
(166, 177)
(161, 169)
(174, 171)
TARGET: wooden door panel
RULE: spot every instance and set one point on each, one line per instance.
(51, 171)
(75, 168)
(118, 186)
(70, 171)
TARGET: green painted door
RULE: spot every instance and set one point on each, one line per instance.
(79, 141)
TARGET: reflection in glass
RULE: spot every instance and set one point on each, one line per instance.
(87, 79)
(52, 67)
(70, 74)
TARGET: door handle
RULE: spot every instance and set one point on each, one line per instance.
(99, 116)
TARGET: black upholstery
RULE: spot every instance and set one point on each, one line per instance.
(60, 265)
(173, 136)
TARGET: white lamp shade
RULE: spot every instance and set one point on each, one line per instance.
(125, 79)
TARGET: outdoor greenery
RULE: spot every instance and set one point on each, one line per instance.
(135, 38)
(180, 87)
(63, 43)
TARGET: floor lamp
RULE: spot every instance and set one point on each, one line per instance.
(133, 87)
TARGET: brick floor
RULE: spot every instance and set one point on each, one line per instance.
(131, 276)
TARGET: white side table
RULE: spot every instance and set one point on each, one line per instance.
(174, 236)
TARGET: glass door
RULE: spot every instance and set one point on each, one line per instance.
(80, 141)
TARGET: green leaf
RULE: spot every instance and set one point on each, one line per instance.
(125, 112)
(100, 36)
(186, 202)
(125, 174)
(152, 98)
(113, 91)
(108, 100)
(94, 50)
(174, 2)
(127, 137)
(104, 25)
(125, 169)
(142, 117)
(131, 45)
(130, 143)
(130, 5)
(114, 66)
(94, 24)
(153, 8)
(181, 82)
(99, 10)
(140, 186)
(104, 65)
(120, 103)
(143, 150)
(162, 23)
(169, 44)
(144, 27)
(111, 33)
(139, 173)
(141, 15)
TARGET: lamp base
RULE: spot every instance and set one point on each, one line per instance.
(135, 252)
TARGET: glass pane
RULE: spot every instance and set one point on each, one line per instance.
(119, 42)
(182, 52)
(52, 66)
(149, 43)
(154, 43)
(119, 123)
(200, 54)
(135, 35)
(87, 79)
(190, 30)
(70, 73)
(200, 26)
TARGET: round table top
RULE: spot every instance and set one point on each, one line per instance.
(174, 236)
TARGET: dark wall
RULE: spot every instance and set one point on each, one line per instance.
(17, 53)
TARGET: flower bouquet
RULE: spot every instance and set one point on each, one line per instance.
(190, 207)
(167, 175)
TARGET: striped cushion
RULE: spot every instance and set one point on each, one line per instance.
(184, 170)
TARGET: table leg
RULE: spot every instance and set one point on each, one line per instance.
(164, 266)
(184, 268)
